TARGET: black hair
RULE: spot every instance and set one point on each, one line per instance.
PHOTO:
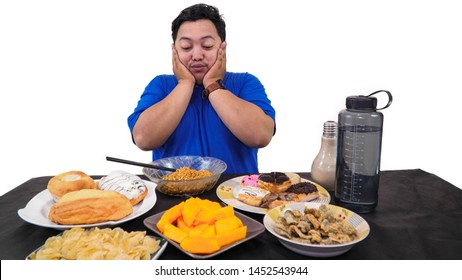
(197, 12)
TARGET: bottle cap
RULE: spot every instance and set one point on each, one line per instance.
(361, 102)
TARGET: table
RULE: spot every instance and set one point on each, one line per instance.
(419, 216)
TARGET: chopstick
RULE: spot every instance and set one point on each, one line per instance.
(148, 165)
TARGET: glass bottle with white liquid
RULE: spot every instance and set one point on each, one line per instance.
(323, 165)
(358, 153)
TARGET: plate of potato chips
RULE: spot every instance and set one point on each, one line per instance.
(100, 244)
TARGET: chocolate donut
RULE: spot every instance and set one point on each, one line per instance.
(277, 182)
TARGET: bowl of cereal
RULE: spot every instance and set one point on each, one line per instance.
(193, 175)
(316, 229)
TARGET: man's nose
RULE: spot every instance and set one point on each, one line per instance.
(197, 54)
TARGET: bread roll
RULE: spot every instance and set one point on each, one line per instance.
(90, 206)
(70, 181)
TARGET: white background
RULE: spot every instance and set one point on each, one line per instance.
(72, 71)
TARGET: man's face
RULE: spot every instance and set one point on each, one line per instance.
(197, 44)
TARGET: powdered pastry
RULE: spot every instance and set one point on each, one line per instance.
(131, 186)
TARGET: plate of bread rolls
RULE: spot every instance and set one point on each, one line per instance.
(74, 199)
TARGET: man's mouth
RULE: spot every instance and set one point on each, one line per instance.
(197, 67)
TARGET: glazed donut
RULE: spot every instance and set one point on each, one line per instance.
(277, 182)
(69, 181)
(125, 183)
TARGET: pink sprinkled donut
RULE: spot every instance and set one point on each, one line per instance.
(250, 180)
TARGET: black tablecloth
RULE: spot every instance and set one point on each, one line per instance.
(419, 216)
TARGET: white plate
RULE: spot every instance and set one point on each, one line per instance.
(229, 190)
(315, 250)
(36, 211)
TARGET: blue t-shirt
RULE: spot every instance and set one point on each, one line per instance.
(201, 132)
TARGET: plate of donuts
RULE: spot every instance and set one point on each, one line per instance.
(258, 193)
(38, 208)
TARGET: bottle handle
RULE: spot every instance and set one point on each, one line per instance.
(390, 98)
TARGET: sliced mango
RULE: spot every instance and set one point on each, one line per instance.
(196, 231)
(201, 226)
(227, 224)
(209, 231)
(170, 216)
(190, 210)
(224, 212)
(181, 224)
(231, 236)
(200, 245)
(174, 233)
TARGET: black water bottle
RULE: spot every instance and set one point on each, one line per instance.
(359, 148)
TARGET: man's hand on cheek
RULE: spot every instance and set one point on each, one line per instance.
(181, 72)
(218, 69)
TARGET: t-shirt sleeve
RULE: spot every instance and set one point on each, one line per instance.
(249, 88)
(154, 92)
